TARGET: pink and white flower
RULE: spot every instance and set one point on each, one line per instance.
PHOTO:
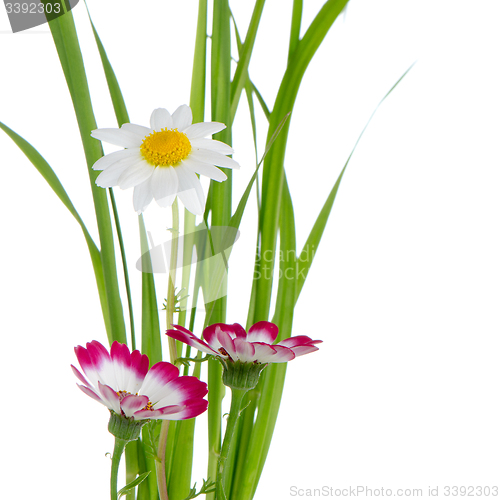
(123, 382)
(232, 342)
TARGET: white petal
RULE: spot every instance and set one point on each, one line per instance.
(138, 130)
(164, 184)
(143, 195)
(135, 174)
(205, 169)
(161, 118)
(212, 145)
(118, 137)
(203, 129)
(111, 158)
(190, 191)
(205, 156)
(183, 117)
(109, 177)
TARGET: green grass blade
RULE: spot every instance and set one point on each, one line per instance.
(151, 336)
(258, 434)
(52, 180)
(199, 75)
(295, 28)
(113, 86)
(220, 206)
(273, 173)
(307, 255)
(66, 41)
(241, 73)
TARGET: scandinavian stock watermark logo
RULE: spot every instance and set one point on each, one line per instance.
(210, 256)
(24, 15)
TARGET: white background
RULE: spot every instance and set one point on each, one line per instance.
(404, 290)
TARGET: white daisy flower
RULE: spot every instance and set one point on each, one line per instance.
(161, 162)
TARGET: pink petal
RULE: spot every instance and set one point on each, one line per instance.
(89, 392)
(182, 389)
(225, 341)
(298, 340)
(303, 349)
(120, 356)
(300, 345)
(191, 409)
(188, 338)
(132, 403)
(79, 376)
(158, 379)
(264, 352)
(244, 350)
(280, 354)
(263, 331)
(211, 334)
(160, 413)
(110, 397)
(283, 354)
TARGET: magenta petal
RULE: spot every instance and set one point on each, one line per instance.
(110, 398)
(300, 345)
(120, 354)
(303, 349)
(160, 413)
(181, 390)
(158, 380)
(244, 350)
(264, 352)
(210, 333)
(188, 387)
(188, 338)
(226, 342)
(298, 340)
(283, 354)
(139, 366)
(192, 408)
(263, 331)
(239, 331)
(83, 358)
(132, 403)
(98, 354)
(279, 354)
(79, 376)
(89, 392)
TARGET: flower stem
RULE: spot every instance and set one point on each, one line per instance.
(162, 444)
(174, 248)
(237, 396)
(115, 463)
(160, 466)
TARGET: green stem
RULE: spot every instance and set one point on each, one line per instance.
(125, 268)
(174, 248)
(162, 444)
(115, 463)
(160, 466)
(237, 396)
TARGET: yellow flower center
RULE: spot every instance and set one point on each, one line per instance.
(165, 148)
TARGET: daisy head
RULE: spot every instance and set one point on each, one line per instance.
(161, 161)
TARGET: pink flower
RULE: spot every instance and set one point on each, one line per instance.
(124, 383)
(234, 343)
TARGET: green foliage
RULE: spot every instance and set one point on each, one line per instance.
(129, 488)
